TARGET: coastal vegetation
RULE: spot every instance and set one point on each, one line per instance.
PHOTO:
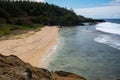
(24, 15)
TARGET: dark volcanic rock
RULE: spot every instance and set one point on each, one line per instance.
(62, 75)
(13, 68)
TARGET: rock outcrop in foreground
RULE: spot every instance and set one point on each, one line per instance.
(13, 68)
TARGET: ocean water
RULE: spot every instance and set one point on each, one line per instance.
(90, 51)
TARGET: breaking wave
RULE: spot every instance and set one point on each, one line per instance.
(108, 27)
(111, 35)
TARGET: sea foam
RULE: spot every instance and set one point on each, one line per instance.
(108, 27)
(112, 38)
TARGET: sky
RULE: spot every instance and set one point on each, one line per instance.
(90, 8)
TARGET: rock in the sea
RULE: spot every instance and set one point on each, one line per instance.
(13, 68)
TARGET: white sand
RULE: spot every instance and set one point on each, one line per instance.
(32, 49)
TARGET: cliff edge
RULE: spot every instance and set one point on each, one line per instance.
(13, 68)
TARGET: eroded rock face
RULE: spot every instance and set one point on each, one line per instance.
(13, 68)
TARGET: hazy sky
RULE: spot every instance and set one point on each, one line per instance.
(91, 8)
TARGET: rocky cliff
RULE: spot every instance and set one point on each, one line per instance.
(13, 68)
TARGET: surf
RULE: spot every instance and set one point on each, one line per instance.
(110, 35)
(108, 27)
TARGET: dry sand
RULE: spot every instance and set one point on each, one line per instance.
(34, 48)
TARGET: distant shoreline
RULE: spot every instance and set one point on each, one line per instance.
(32, 49)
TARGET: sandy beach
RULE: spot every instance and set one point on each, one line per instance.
(34, 48)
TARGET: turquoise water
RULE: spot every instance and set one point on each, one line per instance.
(77, 52)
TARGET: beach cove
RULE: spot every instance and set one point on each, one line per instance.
(34, 48)
(88, 52)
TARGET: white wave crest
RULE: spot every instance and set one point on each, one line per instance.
(110, 40)
(108, 27)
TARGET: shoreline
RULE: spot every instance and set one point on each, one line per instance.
(44, 62)
(32, 49)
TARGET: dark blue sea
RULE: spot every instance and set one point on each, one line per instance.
(90, 51)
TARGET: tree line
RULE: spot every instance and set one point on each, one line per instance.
(28, 12)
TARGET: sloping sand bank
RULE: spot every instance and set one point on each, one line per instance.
(32, 49)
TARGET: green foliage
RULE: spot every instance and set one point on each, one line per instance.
(34, 12)
(11, 9)
(3, 13)
(25, 15)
